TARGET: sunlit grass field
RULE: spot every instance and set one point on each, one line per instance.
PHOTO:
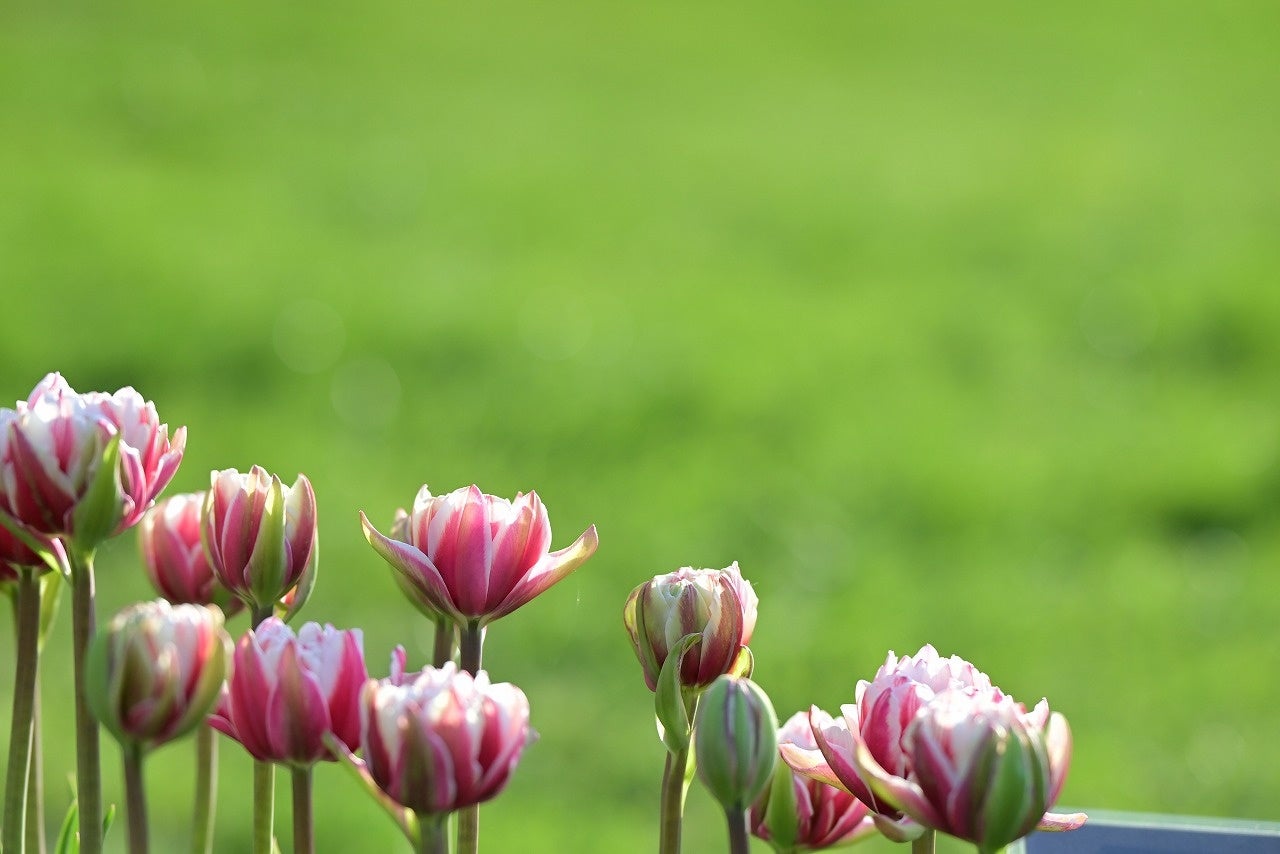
(950, 324)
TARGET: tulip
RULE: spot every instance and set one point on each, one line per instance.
(260, 535)
(717, 604)
(174, 558)
(444, 741)
(52, 450)
(984, 769)
(156, 671)
(801, 814)
(736, 741)
(289, 690)
(473, 557)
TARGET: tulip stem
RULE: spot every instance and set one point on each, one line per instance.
(303, 835)
(258, 615)
(135, 798)
(739, 835)
(470, 651)
(433, 834)
(264, 805)
(27, 623)
(924, 843)
(206, 789)
(35, 782)
(671, 817)
(88, 761)
(446, 634)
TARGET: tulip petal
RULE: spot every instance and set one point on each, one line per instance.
(900, 794)
(1056, 822)
(415, 567)
(554, 567)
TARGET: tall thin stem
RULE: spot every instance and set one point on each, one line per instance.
(671, 814)
(35, 782)
(739, 833)
(264, 805)
(88, 761)
(924, 843)
(135, 794)
(303, 826)
(206, 790)
(470, 652)
(446, 633)
(27, 623)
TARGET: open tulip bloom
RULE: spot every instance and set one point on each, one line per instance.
(867, 754)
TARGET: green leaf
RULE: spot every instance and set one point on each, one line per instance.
(669, 699)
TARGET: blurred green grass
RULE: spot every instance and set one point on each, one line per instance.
(950, 324)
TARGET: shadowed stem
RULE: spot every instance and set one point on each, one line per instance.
(739, 835)
(924, 843)
(671, 815)
(303, 826)
(135, 798)
(433, 835)
(206, 789)
(88, 760)
(446, 632)
(470, 651)
(27, 623)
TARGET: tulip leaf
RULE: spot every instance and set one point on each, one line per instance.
(669, 700)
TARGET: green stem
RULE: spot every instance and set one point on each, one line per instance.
(303, 826)
(260, 614)
(135, 798)
(27, 623)
(924, 843)
(88, 761)
(671, 815)
(433, 836)
(35, 782)
(264, 805)
(446, 632)
(206, 789)
(470, 652)
(739, 833)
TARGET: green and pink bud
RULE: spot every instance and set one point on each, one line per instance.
(718, 605)
(174, 559)
(472, 557)
(797, 813)
(736, 741)
(260, 535)
(156, 671)
(289, 691)
(443, 741)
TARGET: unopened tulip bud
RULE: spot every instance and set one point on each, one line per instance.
(260, 535)
(174, 559)
(736, 740)
(155, 672)
(717, 604)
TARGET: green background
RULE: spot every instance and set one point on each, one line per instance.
(951, 323)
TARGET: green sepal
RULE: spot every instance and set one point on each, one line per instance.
(98, 514)
(669, 700)
(780, 809)
(266, 568)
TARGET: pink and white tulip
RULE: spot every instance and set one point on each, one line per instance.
(289, 691)
(174, 559)
(818, 815)
(443, 741)
(472, 557)
(718, 604)
(52, 447)
(156, 671)
(259, 535)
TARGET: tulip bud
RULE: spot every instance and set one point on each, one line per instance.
(444, 741)
(156, 670)
(473, 557)
(982, 767)
(289, 691)
(259, 535)
(717, 604)
(174, 558)
(736, 740)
